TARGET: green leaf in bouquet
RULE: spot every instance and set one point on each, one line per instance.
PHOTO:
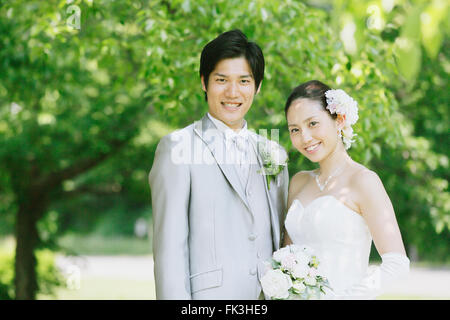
(322, 290)
(314, 262)
(324, 283)
(275, 264)
(294, 296)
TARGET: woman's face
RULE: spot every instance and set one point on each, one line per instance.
(312, 130)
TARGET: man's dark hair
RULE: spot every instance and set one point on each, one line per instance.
(232, 44)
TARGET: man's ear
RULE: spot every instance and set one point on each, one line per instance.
(259, 88)
(203, 83)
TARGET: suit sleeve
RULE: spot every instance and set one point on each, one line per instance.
(170, 190)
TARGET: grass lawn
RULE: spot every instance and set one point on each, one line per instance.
(109, 246)
(115, 278)
(106, 288)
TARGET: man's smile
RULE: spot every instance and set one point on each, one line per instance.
(231, 106)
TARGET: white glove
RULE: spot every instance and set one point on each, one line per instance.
(393, 267)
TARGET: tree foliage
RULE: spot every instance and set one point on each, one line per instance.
(83, 106)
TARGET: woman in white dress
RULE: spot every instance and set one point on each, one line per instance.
(339, 208)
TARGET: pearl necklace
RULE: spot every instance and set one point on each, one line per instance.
(322, 186)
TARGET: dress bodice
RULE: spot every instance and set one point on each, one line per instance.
(339, 236)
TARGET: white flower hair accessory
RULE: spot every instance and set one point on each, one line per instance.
(341, 103)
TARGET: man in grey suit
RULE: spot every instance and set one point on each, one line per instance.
(215, 218)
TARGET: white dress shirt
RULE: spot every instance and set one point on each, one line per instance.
(237, 147)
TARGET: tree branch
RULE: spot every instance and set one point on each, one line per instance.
(54, 179)
(86, 189)
(285, 59)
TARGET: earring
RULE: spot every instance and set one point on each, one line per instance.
(340, 133)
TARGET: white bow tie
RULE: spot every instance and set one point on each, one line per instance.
(240, 141)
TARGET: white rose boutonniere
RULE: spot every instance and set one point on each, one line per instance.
(274, 159)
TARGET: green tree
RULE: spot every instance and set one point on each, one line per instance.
(81, 109)
(414, 27)
(416, 172)
(71, 99)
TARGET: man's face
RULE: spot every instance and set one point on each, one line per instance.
(230, 91)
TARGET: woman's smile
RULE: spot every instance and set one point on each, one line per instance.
(313, 148)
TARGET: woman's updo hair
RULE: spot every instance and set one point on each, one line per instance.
(313, 90)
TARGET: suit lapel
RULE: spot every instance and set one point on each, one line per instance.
(214, 140)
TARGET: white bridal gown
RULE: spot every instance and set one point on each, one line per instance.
(340, 238)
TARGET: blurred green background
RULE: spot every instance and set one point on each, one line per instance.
(87, 89)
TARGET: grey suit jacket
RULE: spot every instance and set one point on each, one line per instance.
(202, 221)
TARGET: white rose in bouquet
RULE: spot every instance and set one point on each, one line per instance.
(302, 258)
(276, 284)
(288, 262)
(300, 271)
(280, 254)
(313, 272)
(307, 250)
(294, 275)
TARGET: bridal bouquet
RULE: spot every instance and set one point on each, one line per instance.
(293, 275)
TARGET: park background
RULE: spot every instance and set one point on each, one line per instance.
(87, 89)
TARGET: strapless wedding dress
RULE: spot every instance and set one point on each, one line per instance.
(339, 236)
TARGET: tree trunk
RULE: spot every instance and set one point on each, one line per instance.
(33, 200)
(27, 239)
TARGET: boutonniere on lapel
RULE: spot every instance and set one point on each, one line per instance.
(274, 159)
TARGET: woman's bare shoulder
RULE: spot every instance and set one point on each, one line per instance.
(365, 182)
(299, 180)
